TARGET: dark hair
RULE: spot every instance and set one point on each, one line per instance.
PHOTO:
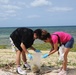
(38, 33)
(42, 34)
(45, 36)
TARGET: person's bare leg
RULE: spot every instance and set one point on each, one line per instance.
(19, 70)
(64, 64)
(18, 53)
(66, 50)
(26, 65)
(24, 57)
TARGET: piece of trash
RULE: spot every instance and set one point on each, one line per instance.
(35, 68)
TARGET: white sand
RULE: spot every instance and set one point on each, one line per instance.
(7, 56)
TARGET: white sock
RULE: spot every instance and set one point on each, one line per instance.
(26, 65)
(18, 68)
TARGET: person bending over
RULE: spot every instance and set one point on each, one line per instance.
(56, 38)
(21, 39)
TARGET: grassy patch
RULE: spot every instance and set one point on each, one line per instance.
(44, 46)
(74, 48)
(3, 46)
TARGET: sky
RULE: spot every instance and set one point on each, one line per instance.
(19, 13)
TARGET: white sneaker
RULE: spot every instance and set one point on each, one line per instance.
(20, 71)
(62, 72)
(27, 66)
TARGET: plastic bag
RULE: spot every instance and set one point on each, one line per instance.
(36, 62)
(61, 53)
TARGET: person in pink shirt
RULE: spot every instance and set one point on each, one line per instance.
(62, 38)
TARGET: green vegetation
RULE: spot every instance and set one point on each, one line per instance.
(74, 48)
(46, 46)
(42, 46)
(3, 46)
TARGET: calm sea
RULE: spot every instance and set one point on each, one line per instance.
(6, 31)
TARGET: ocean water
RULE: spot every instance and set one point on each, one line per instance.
(6, 31)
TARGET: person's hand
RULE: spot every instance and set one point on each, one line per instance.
(37, 50)
(30, 56)
(45, 55)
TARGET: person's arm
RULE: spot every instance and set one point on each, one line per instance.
(52, 47)
(26, 51)
(24, 48)
(36, 50)
(55, 49)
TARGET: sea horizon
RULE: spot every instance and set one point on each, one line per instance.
(41, 26)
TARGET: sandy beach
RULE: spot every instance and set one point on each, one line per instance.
(49, 65)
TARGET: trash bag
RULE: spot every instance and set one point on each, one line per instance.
(61, 53)
(36, 62)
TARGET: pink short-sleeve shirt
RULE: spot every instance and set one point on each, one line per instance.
(64, 37)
